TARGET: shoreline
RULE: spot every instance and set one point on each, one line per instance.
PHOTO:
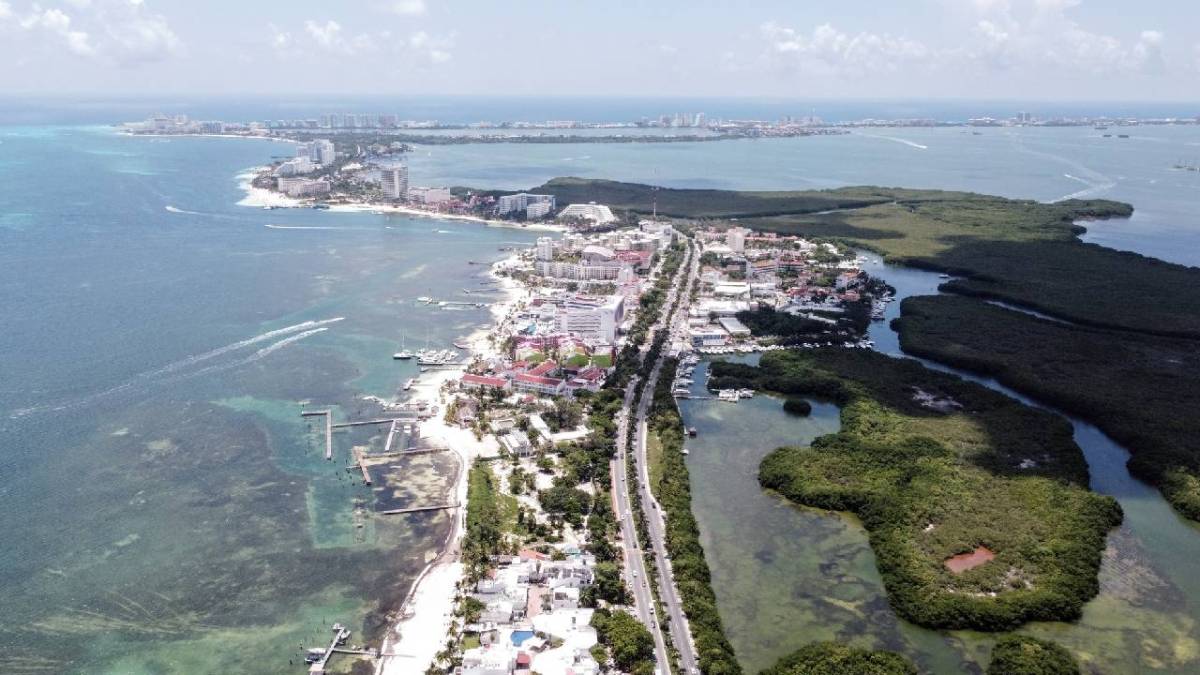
(426, 614)
(256, 197)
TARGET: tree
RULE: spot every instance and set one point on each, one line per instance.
(1025, 655)
(630, 643)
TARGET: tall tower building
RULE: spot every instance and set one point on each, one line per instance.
(395, 181)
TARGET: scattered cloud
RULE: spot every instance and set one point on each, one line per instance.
(122, 32)
(1033, 37)
(1042, 34)
(419, 48)
(827, 50)
(406, 7)
(58, 23)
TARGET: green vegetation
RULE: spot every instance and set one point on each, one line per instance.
(650, 306)
(797, 406)
(936, 466)
(629, 642)
(685, 203)
(1138, 389)
(767, 321)
(1025, 655)
(485, 521)
(831, 658)
(673, 491)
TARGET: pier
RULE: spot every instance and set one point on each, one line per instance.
(362, 466)
(387, 446)
(340, 635)
(417, 509)
(328, 429)
(364, 423)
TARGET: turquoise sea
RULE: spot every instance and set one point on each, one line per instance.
(166, 510)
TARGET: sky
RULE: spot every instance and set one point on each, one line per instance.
(1061, 50)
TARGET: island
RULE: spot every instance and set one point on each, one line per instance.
(977, 506)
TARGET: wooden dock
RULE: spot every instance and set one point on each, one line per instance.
(362, 466)
(417, 509)
(364, 423)
(387, 446)
(328, 429)
(340, 635)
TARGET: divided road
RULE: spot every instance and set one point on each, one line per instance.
(635, 565)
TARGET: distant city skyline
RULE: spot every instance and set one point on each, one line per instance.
(996, 49)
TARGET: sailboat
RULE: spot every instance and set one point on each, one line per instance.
(403, 354)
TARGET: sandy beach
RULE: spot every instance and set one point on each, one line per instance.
(414, 641)
(261, 197)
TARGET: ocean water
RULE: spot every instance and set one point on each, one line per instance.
(166, 508)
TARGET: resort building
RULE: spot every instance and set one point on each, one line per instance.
(581, 271)
(536, 384)
(429, 195)
(523, 201)
(302, 187)
(597, 213)
(593, 318)
(395, 181)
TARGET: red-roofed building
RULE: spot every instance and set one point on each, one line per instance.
(526, 554)
(590, 378)
(542, 369)
(535, 384)
(471, 381)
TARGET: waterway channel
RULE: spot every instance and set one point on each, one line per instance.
(786, 576)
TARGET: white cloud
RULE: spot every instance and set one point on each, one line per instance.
(419, 48)
(1030, 38)
(58, 22)
(406, 7)
(329, 37)
(827, 50)
(123, 32)
(1041, 34)
(136, 36)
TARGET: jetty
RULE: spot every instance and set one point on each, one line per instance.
(417, 509)
(328, 429)
(363, 423)
(362, 466)
(340, 635)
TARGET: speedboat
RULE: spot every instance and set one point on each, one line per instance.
(402, 355)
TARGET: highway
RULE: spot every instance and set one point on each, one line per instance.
(680, 632)
(635, 565)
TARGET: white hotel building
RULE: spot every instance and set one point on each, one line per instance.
(593, 318)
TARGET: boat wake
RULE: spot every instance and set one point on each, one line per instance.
(176, 209)
(902, 141)
(195, 365)
(1093, 188)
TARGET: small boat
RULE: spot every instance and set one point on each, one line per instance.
(1122, 135)
(425, 299)
(402, 355)
(321, 207)
(408, 384)
(691, 431)
(943, 276)
(686, 451)
(462, 345)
